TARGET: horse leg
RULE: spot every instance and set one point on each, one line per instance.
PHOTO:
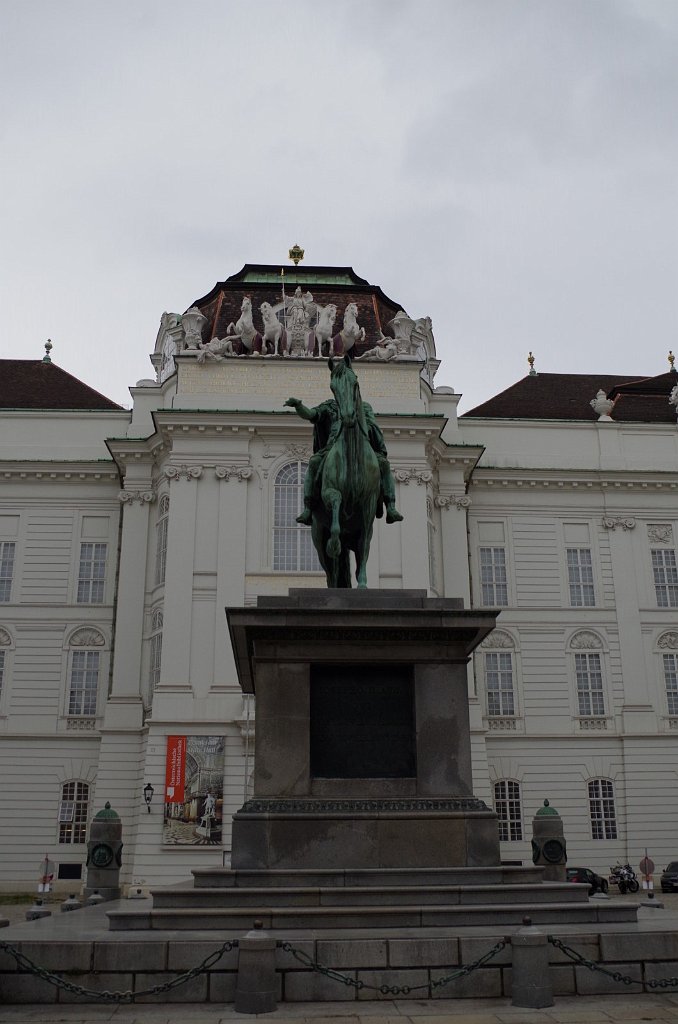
(332, 500)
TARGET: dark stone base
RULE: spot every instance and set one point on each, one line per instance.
(364, 839)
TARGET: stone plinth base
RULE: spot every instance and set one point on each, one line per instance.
(364, 834)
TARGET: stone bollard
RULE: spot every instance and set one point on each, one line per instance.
(95, 899)
(72, 903)
(256, 988)
(531, 983)
(37, 910)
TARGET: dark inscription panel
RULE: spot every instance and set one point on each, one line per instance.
(362, 722)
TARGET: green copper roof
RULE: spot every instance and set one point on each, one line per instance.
(295, 277)
(108, 813)
(546, 809)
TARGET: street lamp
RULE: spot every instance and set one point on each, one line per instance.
(148, 795)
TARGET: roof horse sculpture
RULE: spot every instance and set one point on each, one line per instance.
(348, 480)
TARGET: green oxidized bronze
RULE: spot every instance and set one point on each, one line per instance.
(349, 478)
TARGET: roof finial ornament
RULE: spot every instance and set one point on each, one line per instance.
(296, 254)
(672, 360)
(48, 348)
(530, 359)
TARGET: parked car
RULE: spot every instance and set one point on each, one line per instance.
(596, 883)
(669, 879)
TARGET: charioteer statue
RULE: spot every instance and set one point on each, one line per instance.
(349, 479)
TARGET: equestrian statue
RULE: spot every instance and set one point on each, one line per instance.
(348, 481)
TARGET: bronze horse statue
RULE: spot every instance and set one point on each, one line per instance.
(348, 478)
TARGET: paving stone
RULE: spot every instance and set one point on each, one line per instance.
(181, 956)
(423, 952)
(309, 986)
(130, 956)
(409, 978)
(596, 983)
(193, 991)
(485, 983)
(59, 956)
(97, 983)
(358, 953)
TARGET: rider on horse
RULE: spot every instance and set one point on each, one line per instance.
(326, 428)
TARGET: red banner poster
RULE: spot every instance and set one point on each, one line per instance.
(175, 769)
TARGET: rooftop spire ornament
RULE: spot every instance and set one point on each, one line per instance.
(530, 359)
(48, 348)
(296, 254)
(672, 360)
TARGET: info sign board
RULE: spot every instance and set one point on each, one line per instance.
(194, 791)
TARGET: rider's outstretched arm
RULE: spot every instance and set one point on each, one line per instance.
(302, 410)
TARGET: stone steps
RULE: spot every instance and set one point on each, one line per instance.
(240, 919)
(211, 877)
(189, 898)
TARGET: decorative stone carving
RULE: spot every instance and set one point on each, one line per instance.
(592, 724)
(667, 641)
(169, 342)
(295, 451)
(502, 724)
(81, 724)
(274, 332)
(238, 472)
(5, 638)
(673, 398)
(324, 329)
(351, 331)
(585, 640)
(602, 405)
(498, 638)
(189, 472)
(384, 350)
(86, 638)
(130, 497)
(449, 501)
(660, 533)
(317, 806)
(299, 310)
(217, 349)
(624, 522)
(422, 476)
(244, 330)
(193, 322)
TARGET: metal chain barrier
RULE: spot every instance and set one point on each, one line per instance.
(582, 961)
(390, 990)
(117, 997)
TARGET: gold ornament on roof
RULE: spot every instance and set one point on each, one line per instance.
(530, 359)
(672, 359)
(296, 254)
(48, 348)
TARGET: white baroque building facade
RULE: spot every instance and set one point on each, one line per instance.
(125, 534)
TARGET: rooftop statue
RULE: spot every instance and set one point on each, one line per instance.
(348, 481)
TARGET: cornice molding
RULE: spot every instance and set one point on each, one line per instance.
(58, 471)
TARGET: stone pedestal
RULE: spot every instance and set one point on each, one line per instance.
(363, 755)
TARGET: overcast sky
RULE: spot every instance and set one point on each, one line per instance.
(508, 167)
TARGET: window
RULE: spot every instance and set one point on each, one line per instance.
(2, 670)
(156, 650)
(7, 549)
(671, 680)
(83, 684)
(92, 573)
(507, 806)
(73, 812)
(590, 696)
(293, 549)
(665, 573)
(493, 576)
(161, 540)
(499, 683)
(580, 577)
(601, 808)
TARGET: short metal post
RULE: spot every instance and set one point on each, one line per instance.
(256, 986)
(531, 982)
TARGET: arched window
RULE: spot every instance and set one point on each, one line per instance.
(73, 812)
(5, 647)
(588, 665)
(509, 813)
(83, 672)
(161, 539)
(668, 645)
(498, 650)
(293, 549)
(156, 649)
(601, 809)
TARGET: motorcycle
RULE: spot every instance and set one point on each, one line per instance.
(624, 876)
